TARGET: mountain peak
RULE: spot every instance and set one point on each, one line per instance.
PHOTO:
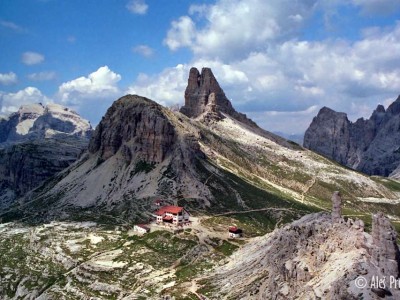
(367, 145)
(394, 108)
(204, 94)
(136, 126)
(326, 111)
(380, 108)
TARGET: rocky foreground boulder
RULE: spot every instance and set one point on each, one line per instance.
(320, 256)
(371, 146)
(37, 142)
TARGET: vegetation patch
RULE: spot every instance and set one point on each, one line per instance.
(143, 166)
(226, 248)
(391, 184)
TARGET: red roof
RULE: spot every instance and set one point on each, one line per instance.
(167, 218)
(169, 209)
(234, 229)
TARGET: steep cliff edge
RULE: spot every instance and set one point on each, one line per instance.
(371, 146)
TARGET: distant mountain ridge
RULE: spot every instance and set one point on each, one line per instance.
(36, 120)
(216, 160)
(37, 142)
(371, 146)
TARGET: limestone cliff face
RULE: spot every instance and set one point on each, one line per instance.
(371, 146)
(136, 126)
(202, 89)
(37, 142)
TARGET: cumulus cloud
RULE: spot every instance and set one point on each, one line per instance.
(91, 95)
(10, 102)
(270, 71)
(99, 84)
(42, 76)
(137, 7)
(181, 34)
(8, 78)
(233, 29)
(165, 88)
(143, 50)
(32, 58)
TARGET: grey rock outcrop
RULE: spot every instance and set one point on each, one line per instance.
(138, 127)
(371, 146)
(311, 258)
(336, 207)
(385, 252)
(202, 89)
(35, 143)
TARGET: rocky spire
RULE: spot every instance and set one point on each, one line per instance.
(336, 207)
(203, 88)
(385, 251)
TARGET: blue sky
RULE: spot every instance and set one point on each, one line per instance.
(279, 61)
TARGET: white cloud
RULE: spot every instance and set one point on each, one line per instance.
(137, 7)
(42, 76)
(166, 88)
(268, 71)
(10, 102)
(143, 50)
(290, 75)
(99, 84)
(181, 34)
(233, 29)
(11, 25)
(32, 58)
(8, 78)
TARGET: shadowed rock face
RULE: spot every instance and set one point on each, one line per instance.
(138, 127)
(371, 146)
(202, 89)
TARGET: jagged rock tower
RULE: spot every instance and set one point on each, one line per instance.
(336, 207)
(203, 94)
(385, 252)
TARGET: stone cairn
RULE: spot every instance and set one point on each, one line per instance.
(336, 207)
